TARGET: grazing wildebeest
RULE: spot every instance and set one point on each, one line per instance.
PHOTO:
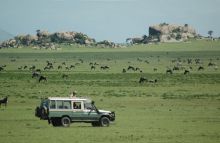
(72, 66)
(169, 71)
(131, 68)
(137, 69)
(200, 68)
(211, 64)
(38, 70)
(155, 69)
(63, 63)
(123, 70)
(176, 68)
(142, 79)
(4, 101)
(35, 74)
(59, 67)
(42, 78)
(1, 68)
(146, 61)
(25, 67)
(186, 72)
(153, 81)
(104, 67)
(81, 60)
(64, 76)
(92, 67)
(32, 68)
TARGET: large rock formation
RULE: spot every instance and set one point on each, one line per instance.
(44, 39)
(166, 33)
(171, 33)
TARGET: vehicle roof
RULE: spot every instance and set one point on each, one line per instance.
(68, 98)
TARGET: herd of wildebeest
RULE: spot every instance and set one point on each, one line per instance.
(184, 66)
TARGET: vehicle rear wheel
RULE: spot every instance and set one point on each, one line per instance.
(104, 122)
(65, 121)
(56, 122)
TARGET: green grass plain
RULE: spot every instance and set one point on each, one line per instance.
(177, 109)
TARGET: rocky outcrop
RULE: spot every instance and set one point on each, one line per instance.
(172, 33)
(166, 33)
(44, 39)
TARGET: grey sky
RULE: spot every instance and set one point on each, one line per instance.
(114, 20)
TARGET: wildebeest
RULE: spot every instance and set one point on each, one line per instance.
(1, 68)
(104, 67)
(59, 67)
(123, 70)
(35, 74)
(200, 68)
(142, 79)
(169, 71)
(42, 78)
(131, 68)
(186, 72)
(4, 101)
(92, 67)
(152, 81)
(176, 68)
(155, 69)
(64, 76)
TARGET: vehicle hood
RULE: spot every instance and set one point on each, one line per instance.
(104, 111)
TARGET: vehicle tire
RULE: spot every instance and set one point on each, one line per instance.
(56, 122)
(65, 121)
(95, 124)
(104, 122)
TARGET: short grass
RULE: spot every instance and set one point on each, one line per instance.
(178, 108)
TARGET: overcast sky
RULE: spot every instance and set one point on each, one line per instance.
(114, 20)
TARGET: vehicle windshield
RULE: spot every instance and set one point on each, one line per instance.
(44, 102)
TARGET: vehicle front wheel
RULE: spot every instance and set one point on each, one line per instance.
(56, 122)
(65, 121)
(104, 122)
(95, 124)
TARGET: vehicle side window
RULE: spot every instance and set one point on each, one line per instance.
(77, 105)
(52, 104)
(59, 104)
(67, 104)
(88, 106)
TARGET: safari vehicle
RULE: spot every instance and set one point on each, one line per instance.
(62, 111)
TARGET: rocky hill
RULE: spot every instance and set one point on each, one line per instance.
(46, 40)
(166, 33)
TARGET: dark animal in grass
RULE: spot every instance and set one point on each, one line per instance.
(123, 70)
(4, 101)
(104, 67)
(35, 74)
(1, 68)
(186, 72)
(64, 76)
(176, 68)
(72, 66)
(32, 68)
(137, 69)
(131, 68)
(25, 67)
(169, 71)
(92, 67)
(142, 79)
(42, 78)
(38, 70)
(200, 68)
(63, 63)
(90, 63)
(20, 68)
(81, 60)
(67, 68)
(152, 81)
(211, 64)
(59, 67)
(155, 69)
